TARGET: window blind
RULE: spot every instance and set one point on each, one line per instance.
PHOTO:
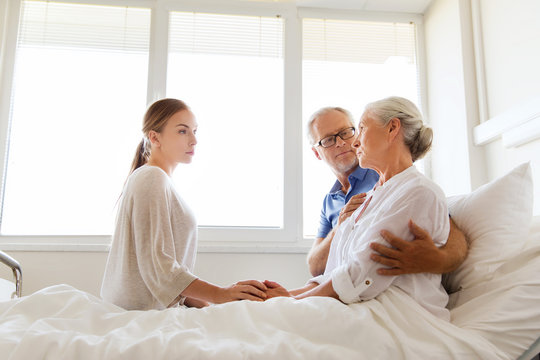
(357, 41)
(229, 69)
(79, 70)
(54, 24)
(226, 34)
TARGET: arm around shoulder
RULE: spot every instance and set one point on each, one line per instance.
(421, 254)
(455, 250)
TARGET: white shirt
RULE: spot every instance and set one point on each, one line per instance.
(407, 195)
(154, 244)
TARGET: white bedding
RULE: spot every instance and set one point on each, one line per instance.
(498, 319)
(61, 322)
(494, 315)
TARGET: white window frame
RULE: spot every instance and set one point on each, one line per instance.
(288, 239)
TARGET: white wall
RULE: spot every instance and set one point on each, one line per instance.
(511, 44)
(508, 38)
(3, 23)
(456, 164)
(4, 10)
(84, 270)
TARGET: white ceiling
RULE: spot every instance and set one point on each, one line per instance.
(407, 6)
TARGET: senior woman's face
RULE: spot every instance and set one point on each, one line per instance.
(371, 142)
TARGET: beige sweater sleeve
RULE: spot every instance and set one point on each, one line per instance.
(154, 245)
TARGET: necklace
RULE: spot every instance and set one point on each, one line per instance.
(364, 208)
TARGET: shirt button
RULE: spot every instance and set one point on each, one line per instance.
(368, 282)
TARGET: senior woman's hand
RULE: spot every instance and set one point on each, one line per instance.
(274, 290)
(351, 206)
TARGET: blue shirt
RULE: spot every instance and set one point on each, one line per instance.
(361, 181)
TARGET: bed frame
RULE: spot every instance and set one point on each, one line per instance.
(17, 272)
(533, 353)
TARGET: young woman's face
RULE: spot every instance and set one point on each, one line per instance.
(177, 139)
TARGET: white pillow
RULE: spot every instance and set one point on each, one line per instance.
(504, 310)
(495, 218)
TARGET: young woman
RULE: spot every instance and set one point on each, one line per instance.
(150, 265)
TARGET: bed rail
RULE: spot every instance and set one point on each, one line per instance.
(17, 272)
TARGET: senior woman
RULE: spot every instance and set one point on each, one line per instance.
(391, 137)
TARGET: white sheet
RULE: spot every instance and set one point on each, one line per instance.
(7, 288)
(61, 322)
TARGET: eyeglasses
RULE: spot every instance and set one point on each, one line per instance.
(331, 140)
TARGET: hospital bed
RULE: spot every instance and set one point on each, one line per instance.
(9, 289)
(494, 304)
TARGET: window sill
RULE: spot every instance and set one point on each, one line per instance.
(102, 244)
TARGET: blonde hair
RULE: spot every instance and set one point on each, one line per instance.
(321, 112)
(155, 119)
(416, 135)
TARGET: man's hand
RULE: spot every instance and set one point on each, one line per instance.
(351, 206)
(318, 254)
(421, 254)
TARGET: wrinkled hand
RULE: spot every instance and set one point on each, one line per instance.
(274, 290)
(407, 257)
(351, 206)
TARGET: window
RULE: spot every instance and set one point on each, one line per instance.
(79, 88)
(348, 64)
(80, 77)
(229, 69)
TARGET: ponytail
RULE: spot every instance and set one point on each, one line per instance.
(141, 156)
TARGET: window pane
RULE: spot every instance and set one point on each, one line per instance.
(79, 95)
(229, 70)
(349, 64)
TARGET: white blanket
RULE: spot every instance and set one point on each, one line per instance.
(61, 322)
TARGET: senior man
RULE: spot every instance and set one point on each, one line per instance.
(331, 132)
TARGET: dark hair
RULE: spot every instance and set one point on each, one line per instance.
(155, 119)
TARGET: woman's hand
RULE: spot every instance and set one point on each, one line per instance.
(195, 303)
(314, 289)
(274, 290)
(243, 290)
(351, 206)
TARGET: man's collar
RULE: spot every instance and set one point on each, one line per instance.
(358, 174)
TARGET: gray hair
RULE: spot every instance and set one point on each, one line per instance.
(321, 112)
(417, 137)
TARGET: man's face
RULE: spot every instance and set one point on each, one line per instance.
(341, 157)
